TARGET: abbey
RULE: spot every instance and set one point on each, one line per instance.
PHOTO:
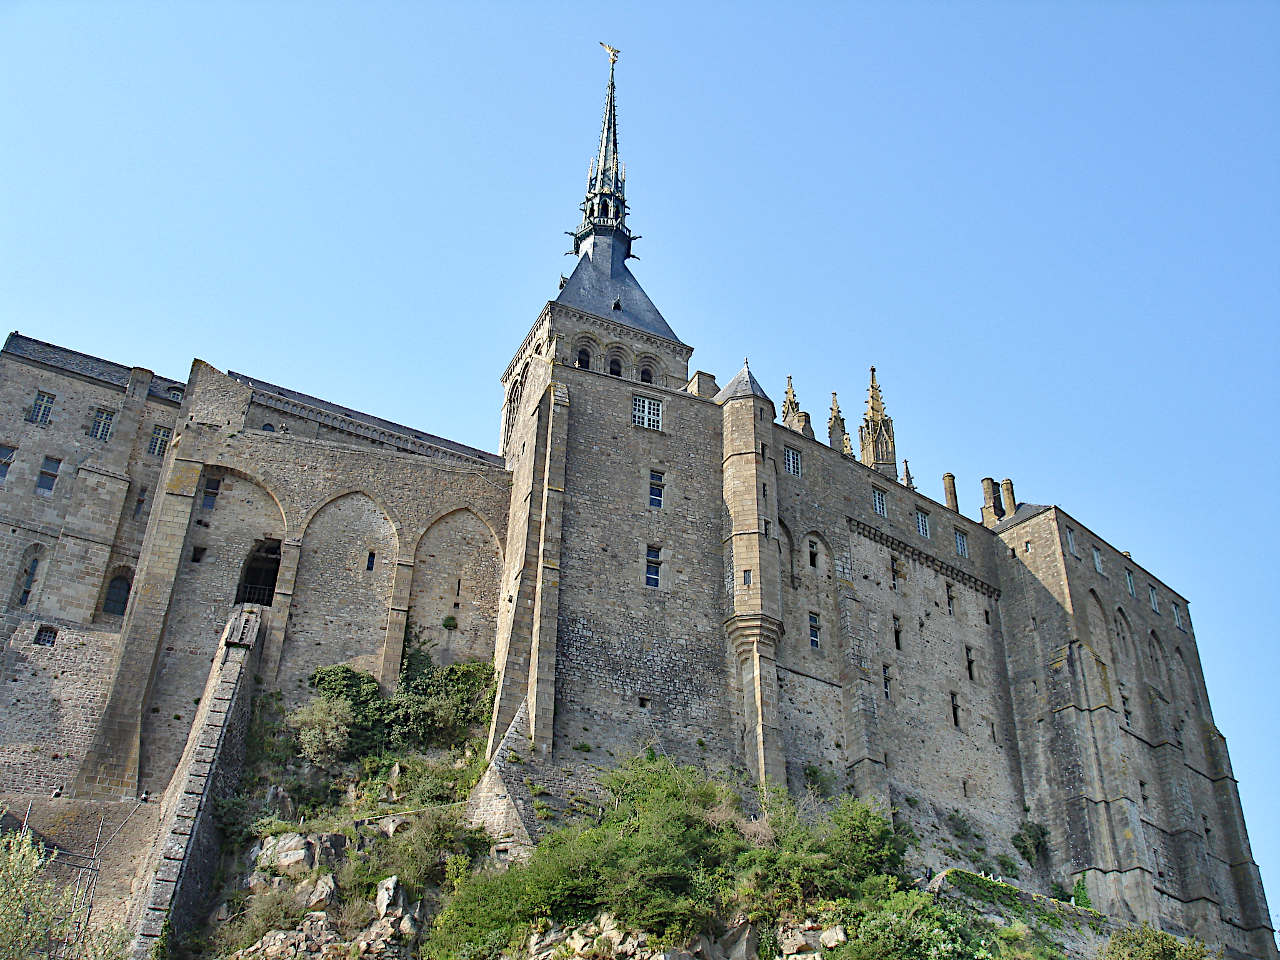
(652, 559)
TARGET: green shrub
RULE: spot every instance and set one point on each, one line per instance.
(1031, 841)
(1147, 943)
(324, 729)
(1080, 893)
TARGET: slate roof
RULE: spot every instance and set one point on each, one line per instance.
(366, 418)
(73, 361)
(601, 280)
(1025, 511)
(744, 384)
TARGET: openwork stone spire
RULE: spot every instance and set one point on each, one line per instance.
(875, 436)
(605, 206)
(836, 432)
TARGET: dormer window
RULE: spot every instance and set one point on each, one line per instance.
(584, 359)
(617, 304)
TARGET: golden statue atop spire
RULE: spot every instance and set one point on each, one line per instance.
(613, 52)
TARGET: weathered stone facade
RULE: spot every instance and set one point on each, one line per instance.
(651, 561)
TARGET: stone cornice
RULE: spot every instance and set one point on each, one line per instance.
(918, 555)
(622, 330)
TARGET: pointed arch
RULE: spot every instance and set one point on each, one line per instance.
(1124, 649)
(29, 577)
(453, 596)
(310, 515)
(117, 586)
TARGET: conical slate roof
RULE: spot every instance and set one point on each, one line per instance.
(602, 285)
(742, 385)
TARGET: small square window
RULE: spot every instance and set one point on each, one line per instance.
(922, 523)
(6, 459)
(962, 544)
(1155, 599)
(1097, 559)
(100, 427)
(48, 475)
(159, 442)
(41, 407)
(646, 412)
(656, 485)
(45, 636)
(791, 461)
(1128, 581)
(878, 502)
(815, 630)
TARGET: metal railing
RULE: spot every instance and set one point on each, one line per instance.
(254, 593)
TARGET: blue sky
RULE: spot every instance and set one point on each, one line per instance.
(1051, 226)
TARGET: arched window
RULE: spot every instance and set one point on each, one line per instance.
(584, 359)
(615, 367)
(646, 375)
(117, 595)
(604, 208)
(28, 574)
(270, 428)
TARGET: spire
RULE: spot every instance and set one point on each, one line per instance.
(605, 206)
(601, 284)
(908, 481)
(790, 406)
(836, 432)
(875, 436)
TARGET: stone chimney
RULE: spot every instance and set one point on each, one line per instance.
(949, 491)
(1006, 492)
(992, 511)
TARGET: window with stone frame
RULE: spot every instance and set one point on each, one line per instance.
(646, 412)
(1097, 560)
(210, 498)
(48, 475)
(791, 461)
(653, 566)
(1128, 580)
(41, 408)
(962, 544)
(657, 486)
(922, 523)
(159, 442)
(1177, 616)
(815, 630)
(100, 425)
(887, 680)
(1155, 599)
(878, 502)
(6, 459)
(1071, 542)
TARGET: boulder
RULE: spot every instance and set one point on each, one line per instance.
(289, 853)
(392, 825)
(834, 937)
(327, 848)
(741, 942)
(792, 941)
(391, 898)
(704, 948)
(324, 894)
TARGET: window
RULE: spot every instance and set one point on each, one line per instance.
(813, 553)
(1128, 714)
(1071, 541)
(211, 487)
(175, 393)
(766, 529)
(159, 440)
(746, 578)
(922, 523)
(897, 633)
(117, 595)
(370, 560)
(28, 580)
(969, 661)
(764, 451)
(955, 710)
(893, 573)
(791, 461)
(877, 501)
(1097, 559)
(100, 428)
(815, 630)
(1026, 547)
(139, 502)
(45, 636)
(1155, 599)
(584, 359)
(656, 486)
(652, 566)
(1128, 582)
(197, 553)
(615, 367)
(1177, 616)
(646, 375)
(951, 601)
(1142, 792)
(962, 544)
(764, 492)
(48, 475)
(646, 412)
(888, 682)
(6, 459)
(268, 428)
(41, 407)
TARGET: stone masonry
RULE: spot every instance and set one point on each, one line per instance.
(651, 561)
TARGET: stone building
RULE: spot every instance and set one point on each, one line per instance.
(650, 560)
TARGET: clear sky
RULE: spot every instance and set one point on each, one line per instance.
(1051, 226)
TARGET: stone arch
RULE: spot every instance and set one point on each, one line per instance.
(587, 342)
(331, 498)
(617, 356)
(1124, 650)
(513, 404)
(109, 598)
(1186, 682)
(342, 593)
(821, 564)
(1096, 620)
(648, 362)
(1158, 676)
(453, 598)
(29, 577)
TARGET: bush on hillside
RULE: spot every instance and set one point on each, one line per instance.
(1148, 943)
